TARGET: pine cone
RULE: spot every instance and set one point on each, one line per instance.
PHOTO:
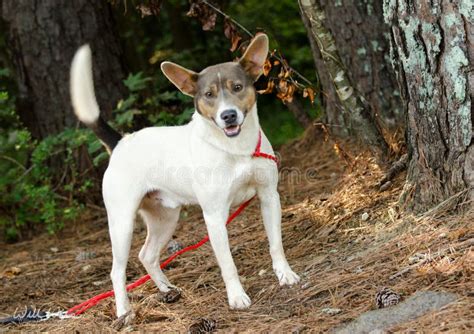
(174, 246)
(203, 326)
(386, 297)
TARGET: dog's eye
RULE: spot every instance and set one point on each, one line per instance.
(237, 88)
(208, 94)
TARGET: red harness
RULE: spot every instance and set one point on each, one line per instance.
(81, 308)
(258, 154)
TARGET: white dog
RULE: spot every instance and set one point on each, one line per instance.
(157, 170)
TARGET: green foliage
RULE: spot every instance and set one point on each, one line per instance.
(27, 184)
(153, 109)
(33, 192)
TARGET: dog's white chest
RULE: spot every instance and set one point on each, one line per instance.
(244, 182)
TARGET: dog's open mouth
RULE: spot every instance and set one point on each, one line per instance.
(232, 130)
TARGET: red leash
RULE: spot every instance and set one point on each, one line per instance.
(81, 308)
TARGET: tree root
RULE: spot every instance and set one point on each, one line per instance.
(397, 167)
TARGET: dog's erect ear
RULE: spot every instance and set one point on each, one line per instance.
(255, 55)
(184, 79)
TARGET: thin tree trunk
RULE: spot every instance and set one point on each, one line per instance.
(433, 43)
(357, 112)
(42, 37)
(360, 34)
(333, 115)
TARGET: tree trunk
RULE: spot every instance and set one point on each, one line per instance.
(357, 113)
(433, 43)
(333, 115)
(42, 37)
(361, 37)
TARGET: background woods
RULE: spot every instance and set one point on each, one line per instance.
(375, 66)
(368, 102)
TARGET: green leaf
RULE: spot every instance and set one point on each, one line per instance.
(101, 157)
(136, 82)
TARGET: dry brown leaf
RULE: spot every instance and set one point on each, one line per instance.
(283, 86)
(231, 32)
(282, 73)
(151, 7)
(309, 92)
(286, 91)
(267, 67)
(11, 272)
(269, 89)
(206, 15)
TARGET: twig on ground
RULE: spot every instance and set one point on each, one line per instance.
(396, 168)
(444, 205)
(430, 257)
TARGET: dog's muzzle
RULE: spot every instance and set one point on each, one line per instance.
(230, 118)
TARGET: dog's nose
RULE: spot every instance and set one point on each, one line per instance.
(229, 116)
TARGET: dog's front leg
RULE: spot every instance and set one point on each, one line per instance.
(215, 223)
(271, 213)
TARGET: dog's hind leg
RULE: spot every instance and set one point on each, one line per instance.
(161, 223)
(121, 230)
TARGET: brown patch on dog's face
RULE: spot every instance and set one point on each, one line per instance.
(224, 84)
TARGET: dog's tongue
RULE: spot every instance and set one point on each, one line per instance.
(232, 130)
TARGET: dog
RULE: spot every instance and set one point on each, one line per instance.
(157, 170)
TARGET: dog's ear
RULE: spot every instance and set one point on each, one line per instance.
(184, 79)
(254, 57)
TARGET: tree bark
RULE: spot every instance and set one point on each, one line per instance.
(433, 43)
(42, 37)
(356, 111)
(360, 34)
(333, 115)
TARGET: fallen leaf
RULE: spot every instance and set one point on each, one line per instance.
(11, 272)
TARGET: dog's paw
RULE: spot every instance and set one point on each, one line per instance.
(286, 276)
(164, 284)
(239, 300)
(172, 296)
(124, 320)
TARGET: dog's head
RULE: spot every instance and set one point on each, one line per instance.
(223, 93)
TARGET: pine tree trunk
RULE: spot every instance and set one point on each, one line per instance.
(42, 37)
(356, 112)
(360, 36)
(433, 43)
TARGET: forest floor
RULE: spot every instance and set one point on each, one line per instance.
(343, 236)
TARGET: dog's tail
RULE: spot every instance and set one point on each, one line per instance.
(84, 101)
